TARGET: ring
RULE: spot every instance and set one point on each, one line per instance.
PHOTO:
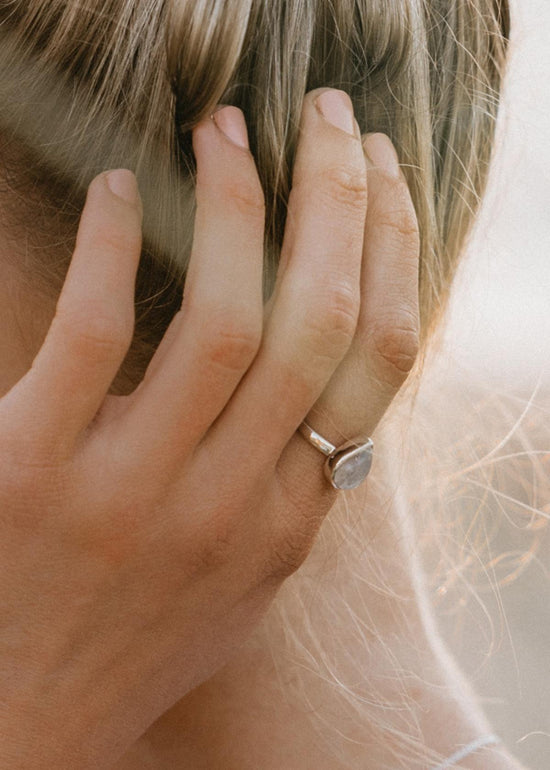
(346, 466)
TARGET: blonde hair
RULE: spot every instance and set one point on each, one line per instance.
(105, 83)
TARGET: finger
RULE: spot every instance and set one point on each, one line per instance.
(94, 319)
(316, 306)
(219, 330)
(162, 350)
(386, 339)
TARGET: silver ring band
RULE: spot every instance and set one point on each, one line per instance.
(346, 466)
(317, 440)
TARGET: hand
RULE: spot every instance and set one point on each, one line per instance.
(145, 535)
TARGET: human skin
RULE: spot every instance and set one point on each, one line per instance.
(133, 566)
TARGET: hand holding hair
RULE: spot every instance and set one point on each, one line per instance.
(145, 535)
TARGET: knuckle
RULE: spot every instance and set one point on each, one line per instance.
(330, 322)
(397, 215)
(230, 343)
(245, 195)
(95, 332)
(393, 347)
(108, 531)
(209, 556)
(347, 187)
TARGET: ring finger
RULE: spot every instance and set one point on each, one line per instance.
(386, 341)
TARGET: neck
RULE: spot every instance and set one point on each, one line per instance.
(24, 319)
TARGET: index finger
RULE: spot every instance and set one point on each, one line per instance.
(94, 319)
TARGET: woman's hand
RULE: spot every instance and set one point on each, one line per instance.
(144, 536)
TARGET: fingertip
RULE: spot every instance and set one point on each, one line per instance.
(113, 194)
(232, 124)
(381, 153)
(123, 184)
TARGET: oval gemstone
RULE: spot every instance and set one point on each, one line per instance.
(351, 467)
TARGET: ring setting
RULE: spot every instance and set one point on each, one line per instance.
(346, 466)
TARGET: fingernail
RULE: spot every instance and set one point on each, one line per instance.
(230, 120)
(337, 108)
(382, 153)
(123, 184)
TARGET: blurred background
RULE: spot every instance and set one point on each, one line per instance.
(504, 302)
(500, 329)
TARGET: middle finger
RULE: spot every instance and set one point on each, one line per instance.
(316, 304)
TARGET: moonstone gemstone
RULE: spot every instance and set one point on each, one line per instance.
(350, 468)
